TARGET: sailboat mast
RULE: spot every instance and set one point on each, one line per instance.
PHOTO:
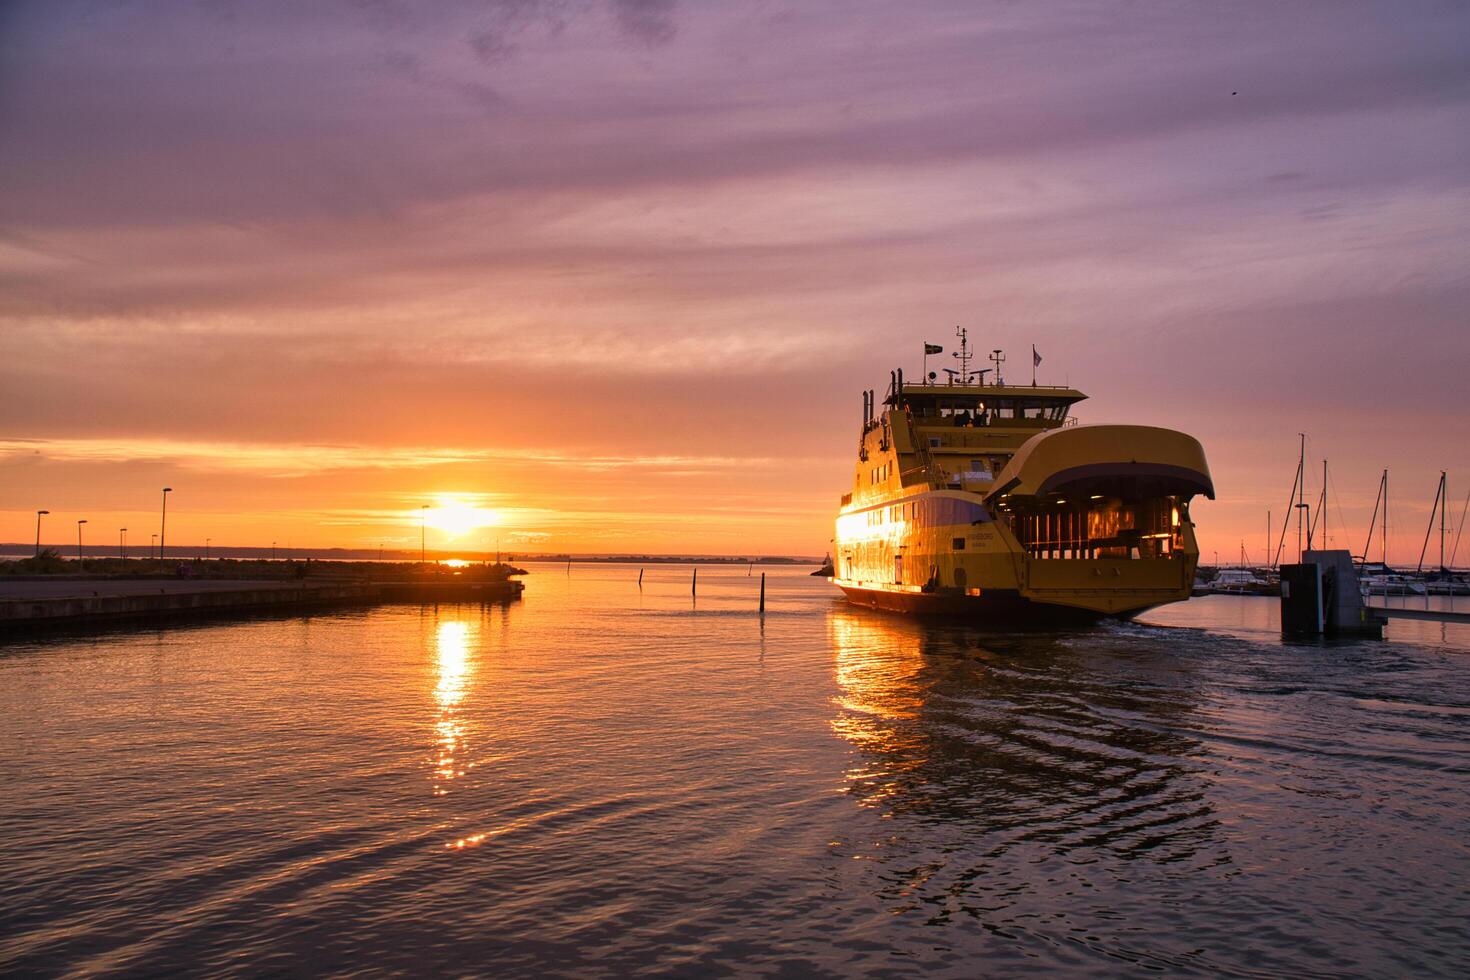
(1438, 492)
(1324, 502)
(1301, 497)
(1373, 521)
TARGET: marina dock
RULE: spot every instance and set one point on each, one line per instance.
(29, 604)
(1435, 615)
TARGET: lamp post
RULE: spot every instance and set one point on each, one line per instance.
(163, 521)
(206, 548)
(79, 543)
(152, 545)
(39, 514)
(273, 551)
(423, 531)
(122, 542)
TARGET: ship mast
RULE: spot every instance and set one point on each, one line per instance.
(963, 354)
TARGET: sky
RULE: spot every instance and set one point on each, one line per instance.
(610, 275)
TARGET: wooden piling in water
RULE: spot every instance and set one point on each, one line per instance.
(640, 579)
(694, 582)
(763, 593)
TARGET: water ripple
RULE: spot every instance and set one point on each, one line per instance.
(603, 780)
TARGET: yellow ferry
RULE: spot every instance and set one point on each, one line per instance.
(979, 498)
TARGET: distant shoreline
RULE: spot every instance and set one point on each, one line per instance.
(14, 552)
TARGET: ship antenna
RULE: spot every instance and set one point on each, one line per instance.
(998, 357)
(963, 354)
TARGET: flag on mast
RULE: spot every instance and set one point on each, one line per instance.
(933, 349)
(1035, 357)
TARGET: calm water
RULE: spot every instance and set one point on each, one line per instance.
(599, 781)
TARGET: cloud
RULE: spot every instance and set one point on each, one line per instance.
(648, 21)
(295, 460)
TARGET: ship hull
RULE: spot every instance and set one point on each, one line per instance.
(995, 607)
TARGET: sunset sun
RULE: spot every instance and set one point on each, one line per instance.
(456, 515)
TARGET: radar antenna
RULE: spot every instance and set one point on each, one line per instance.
(998, 357)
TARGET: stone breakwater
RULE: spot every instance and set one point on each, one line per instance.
(46, 604)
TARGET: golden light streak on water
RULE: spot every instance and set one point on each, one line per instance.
(455, 644)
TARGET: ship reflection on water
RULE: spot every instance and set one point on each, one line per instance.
(1043, 754)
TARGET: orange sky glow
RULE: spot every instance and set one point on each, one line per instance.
(610, 276)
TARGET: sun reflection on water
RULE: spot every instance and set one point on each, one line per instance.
(456, 642)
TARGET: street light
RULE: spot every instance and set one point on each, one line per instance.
(79, 543)
(122, 542)
(38, 530)
(273, 551)
(206, 548)
(423, 530)
(163, 523)
(152, 545)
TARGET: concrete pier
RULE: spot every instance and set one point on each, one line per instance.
(1320, 596)
(46, 603)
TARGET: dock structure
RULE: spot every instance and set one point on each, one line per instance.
(1433, 615)
(1320, 596)
(31, 604)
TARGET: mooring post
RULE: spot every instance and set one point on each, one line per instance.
(763, 593)
(694, 582)
(640, 579)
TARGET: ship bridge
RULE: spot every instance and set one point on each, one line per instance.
(964, 434)
(981, 406)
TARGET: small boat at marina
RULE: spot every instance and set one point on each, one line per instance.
(1391, 583)
(1446, 582)
(1241, 581)
(976, 498)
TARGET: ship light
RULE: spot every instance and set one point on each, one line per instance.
(1097, 496)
